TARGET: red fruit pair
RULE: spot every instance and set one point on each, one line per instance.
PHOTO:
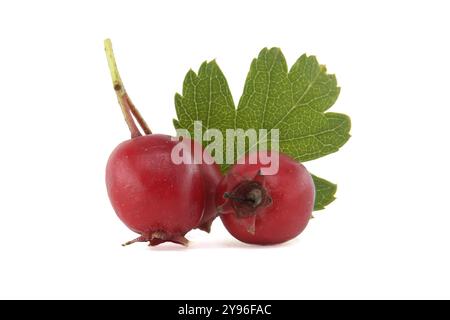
(162, 201)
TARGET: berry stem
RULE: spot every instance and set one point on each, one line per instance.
(137, 115)
(127, 107)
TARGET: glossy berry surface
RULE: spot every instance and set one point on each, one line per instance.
(266, 209)
(211, 178)
(154, 197)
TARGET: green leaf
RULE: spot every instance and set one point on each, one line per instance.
(325, 192)
(207, 98)
(294, 101)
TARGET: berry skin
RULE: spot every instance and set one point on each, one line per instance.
(266, 209)
(211, 177)
(154, 197)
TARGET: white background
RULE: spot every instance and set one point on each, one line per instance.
(386, 236)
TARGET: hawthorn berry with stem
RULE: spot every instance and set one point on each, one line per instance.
(153, 196)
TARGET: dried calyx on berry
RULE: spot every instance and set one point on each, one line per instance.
(247, 197)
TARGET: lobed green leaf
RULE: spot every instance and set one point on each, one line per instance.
(294, 101)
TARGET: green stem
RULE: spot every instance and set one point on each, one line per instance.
(127, 107)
